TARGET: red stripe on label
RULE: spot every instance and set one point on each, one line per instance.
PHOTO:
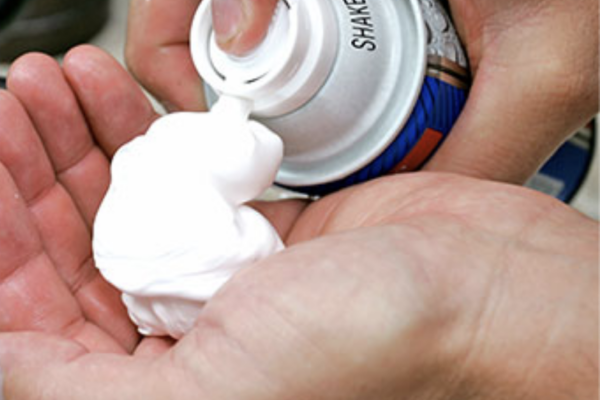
(422, 150)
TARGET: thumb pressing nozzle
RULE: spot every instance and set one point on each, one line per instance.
(285, 70)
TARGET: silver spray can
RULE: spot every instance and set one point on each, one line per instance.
(355, 88)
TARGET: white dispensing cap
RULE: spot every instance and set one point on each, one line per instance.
(285, 71)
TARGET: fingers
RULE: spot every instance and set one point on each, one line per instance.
(240, 25)
(113, 104)
(526, 99)
(40, 85)
(43, 204)
(23, 263)
(21, 151)
(32, 294)
(56, 219)
(64, 233)
(19, 241)
(158, 54)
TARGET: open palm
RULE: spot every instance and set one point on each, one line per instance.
(422, 275)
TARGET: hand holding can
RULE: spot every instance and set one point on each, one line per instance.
(355, 89)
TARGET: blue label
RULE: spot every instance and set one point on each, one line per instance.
(564, 173)
(437, 108)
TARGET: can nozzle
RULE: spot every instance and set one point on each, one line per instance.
(258, 62)
(282, 73)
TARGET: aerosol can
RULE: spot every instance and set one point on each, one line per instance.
(356, 89)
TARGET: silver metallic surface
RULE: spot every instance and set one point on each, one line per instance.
(386, 49)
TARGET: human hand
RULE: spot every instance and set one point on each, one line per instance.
(158, 51)
(53, 175)
(419, 286)
(534, 66)
(535, 72)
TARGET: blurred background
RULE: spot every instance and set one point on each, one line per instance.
(53, 26)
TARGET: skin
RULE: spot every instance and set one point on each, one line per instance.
(421, 286)
(534, 65)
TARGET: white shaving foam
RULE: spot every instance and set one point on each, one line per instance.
(173, 227)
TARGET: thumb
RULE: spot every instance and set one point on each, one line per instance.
(240, 25)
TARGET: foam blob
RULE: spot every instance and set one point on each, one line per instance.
(173, 227)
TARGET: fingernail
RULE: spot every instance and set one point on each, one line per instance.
(228, 19)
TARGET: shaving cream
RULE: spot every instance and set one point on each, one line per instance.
(173, 227)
